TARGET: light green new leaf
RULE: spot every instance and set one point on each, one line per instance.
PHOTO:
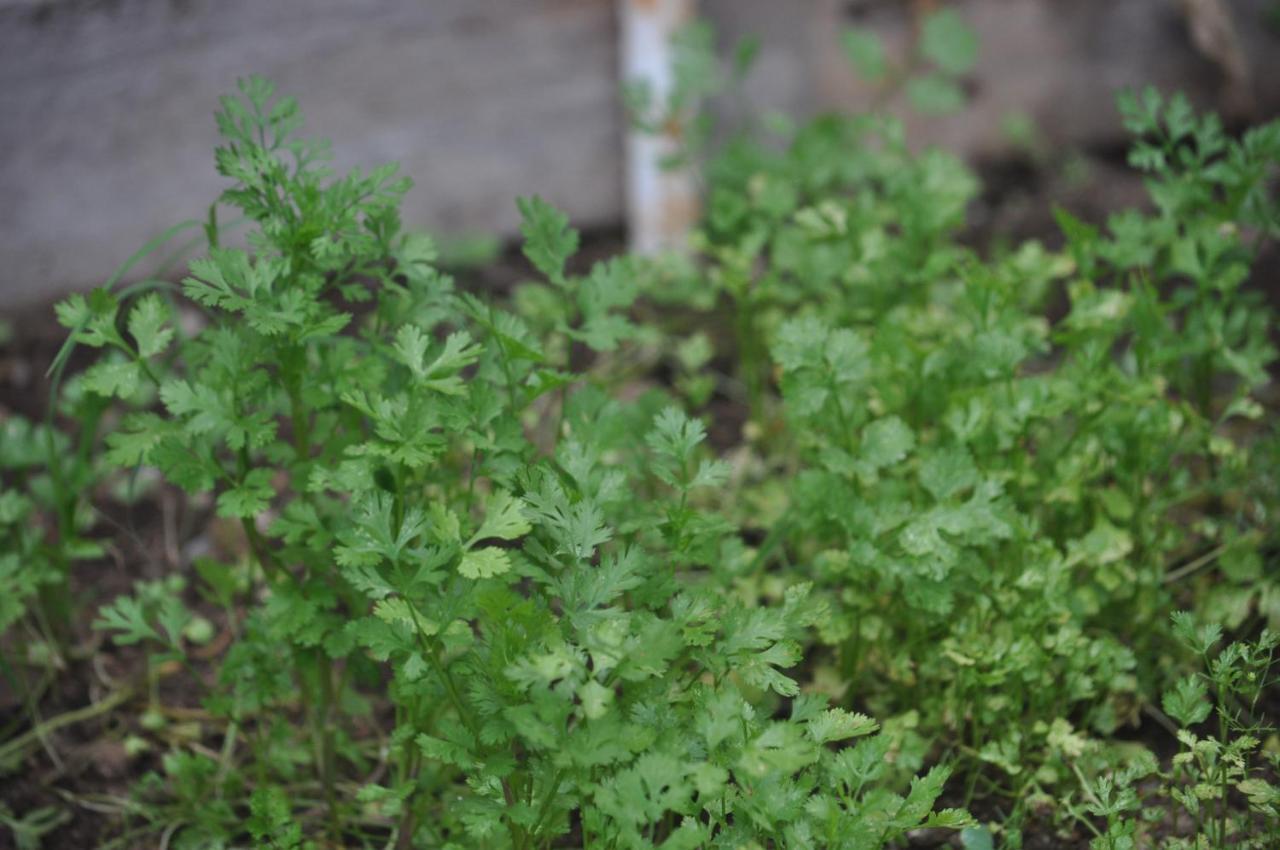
(411, 346)
(486, 562)
(886, 441)
(504, 518)
(442, 373)
(119, 378)
(836, 724)
(948, 471)
(147, 325)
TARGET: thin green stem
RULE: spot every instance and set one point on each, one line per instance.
(11, 748)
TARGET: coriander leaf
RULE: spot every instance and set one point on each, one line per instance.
(91, 320)
(504, 518)
(548, 240)
(934, 94)
(398, 610)
(249, 497)
(946, 472)
(131, 443)
(836, 724)
(411, 346)
(886, 441)
(486, 562)
(184, 464)
(865, 53)
(442, 373)
(113, 377)
(147, 325)
(949, 42)
(1188, 701)
(126, 616)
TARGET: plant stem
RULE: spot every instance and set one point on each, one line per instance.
(12, 748)
(324, 734)
(749, 357)
(545, 809)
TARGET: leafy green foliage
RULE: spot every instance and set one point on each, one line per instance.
(560, 657)
(992, 505)
(931, 77)
(492, 589)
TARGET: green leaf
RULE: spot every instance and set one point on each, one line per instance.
(411, 346)
(126, 617)
(92, 319)
(886, 441)
(399, 610)
(865, 53)
(113, 377)
(248, 498)
(364, 577)
(504, 518)
(271, 820)
(147, 325)
(595, 699)
(578, 529)
(374, 535)
(924, 792)
(416, 256)
(1198, 638)
(1188, 701)
(946, 472)
(458, 353)
(1104, 544)
(1140, 112)
(949, 42)
(184, 464)
(934, 94)
(486, 562)
(549, 242)
(836, 724)
(674, 439)
(131, 443)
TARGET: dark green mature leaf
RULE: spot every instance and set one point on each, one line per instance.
(249, 497)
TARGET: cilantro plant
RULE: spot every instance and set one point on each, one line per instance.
(1209, 768)
(456, 537)
(989, 501)
(816, 538)
(931, 75)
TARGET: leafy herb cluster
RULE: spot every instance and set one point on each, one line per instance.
(495, 588)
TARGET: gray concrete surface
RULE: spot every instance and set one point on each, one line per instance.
(106, 129)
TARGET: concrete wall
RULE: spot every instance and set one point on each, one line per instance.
(106, 129)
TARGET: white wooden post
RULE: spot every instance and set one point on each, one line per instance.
(661, 204)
